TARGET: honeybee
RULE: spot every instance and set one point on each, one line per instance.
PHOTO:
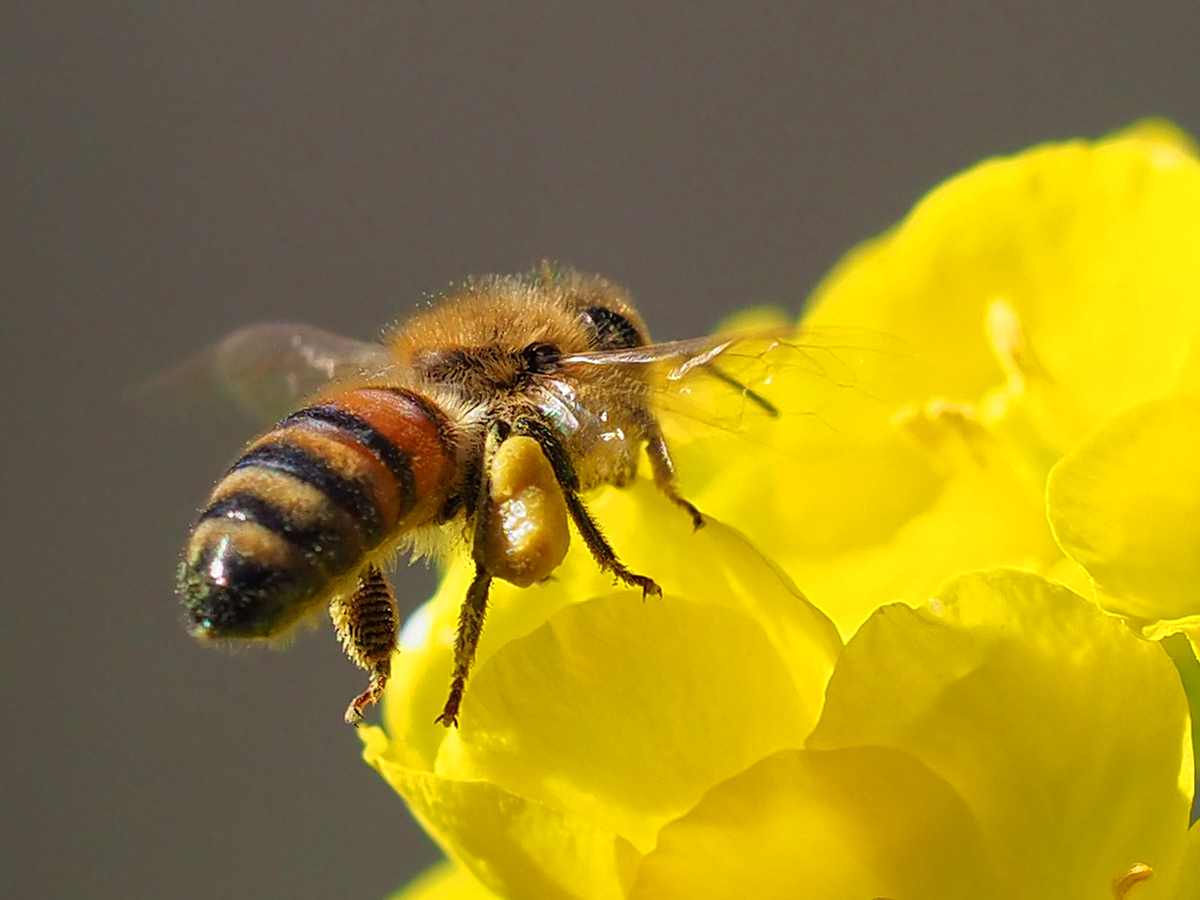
(487, 416)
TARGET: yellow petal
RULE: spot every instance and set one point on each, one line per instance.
(1161, 131)
(713, 565)
(862, 525)
(588, 702)
(1063, 732)
(1125, 504)
(625, 711)
(513, 846)
(983, 516)
(652, 536)
(1095, 246)
(856, 823)
(1188, 885)
(444, 881)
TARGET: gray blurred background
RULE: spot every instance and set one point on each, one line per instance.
(171, 171)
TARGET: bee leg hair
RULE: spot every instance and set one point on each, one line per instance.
(664, 471)
(474, 608)
(593, 537)
(366, 623)
(466, 639)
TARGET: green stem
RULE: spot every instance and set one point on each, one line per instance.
(1179, 648)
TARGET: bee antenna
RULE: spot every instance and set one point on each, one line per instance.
(754, 397)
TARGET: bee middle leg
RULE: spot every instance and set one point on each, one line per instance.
(474, 606)
(664, 471)
(366, 623)
(466, 640)
(564, 473)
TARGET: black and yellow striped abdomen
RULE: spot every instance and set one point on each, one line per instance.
(307, 502)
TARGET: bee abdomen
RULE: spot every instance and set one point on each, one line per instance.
(350, 494)
(307, 501)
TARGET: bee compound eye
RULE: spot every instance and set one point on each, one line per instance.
(611, 330)
(541, 357)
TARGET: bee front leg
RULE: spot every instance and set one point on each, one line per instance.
(601, 549)
(568, 481)
(366, 623)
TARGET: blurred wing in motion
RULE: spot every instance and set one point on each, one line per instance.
(763, 385)
(264, 371)
(794, 428)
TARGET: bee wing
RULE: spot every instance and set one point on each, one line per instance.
(685, 354)
(265, 370)
(743, 383)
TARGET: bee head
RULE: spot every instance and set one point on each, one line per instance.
(609, 330)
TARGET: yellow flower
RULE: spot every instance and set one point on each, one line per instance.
(1039, 297)
(1022, 346)
(1125, 504)
(1009, 740)
(595, 717)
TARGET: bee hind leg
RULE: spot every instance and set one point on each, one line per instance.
(366, 623)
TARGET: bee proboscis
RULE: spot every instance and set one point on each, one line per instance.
(490, 413)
